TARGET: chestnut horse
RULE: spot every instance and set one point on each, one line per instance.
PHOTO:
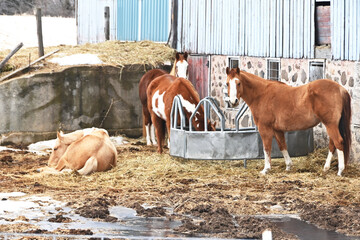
(180, 69)
(161, 93)
(89, 150)
(277, 108)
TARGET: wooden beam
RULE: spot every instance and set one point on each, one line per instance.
(26, 67)
(39, 32)
(3, 62)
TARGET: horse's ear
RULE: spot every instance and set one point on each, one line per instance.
(185, 55)
(60, 135)
(238, 70)
(177, 56)
(227, 70)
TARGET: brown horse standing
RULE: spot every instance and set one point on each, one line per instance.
(277, 108)
(161, 93)
(180, 69)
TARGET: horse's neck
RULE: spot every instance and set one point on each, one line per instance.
(253, 87)
(172, 72)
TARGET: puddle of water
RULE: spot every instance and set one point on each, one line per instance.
(307, 231)
(38, 210)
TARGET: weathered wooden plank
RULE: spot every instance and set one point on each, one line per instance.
(7, 58)
(26, 67)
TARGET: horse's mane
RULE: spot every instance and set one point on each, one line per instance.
(188, 85)
(253, 76)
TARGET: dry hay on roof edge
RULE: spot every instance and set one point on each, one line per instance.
(114, 53)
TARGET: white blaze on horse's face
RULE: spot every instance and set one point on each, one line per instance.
(158, 105)
(181, 68)
(233, 91)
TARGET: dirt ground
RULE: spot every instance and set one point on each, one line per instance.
(221, 197)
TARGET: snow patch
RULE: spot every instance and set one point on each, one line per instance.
(77, 59)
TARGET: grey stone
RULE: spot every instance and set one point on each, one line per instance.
(343, 78)
(284, 75)
(351, 82)
(289, 68)
(294, 77)
(303, 76)
(249, 65)
(262, 74)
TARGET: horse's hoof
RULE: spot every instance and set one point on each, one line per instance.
(326, 169)
(263, 172)
(288, 168)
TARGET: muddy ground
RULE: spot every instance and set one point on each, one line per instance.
(211, 198)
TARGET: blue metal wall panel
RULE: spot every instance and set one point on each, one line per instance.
(155, 20)
(128, 20)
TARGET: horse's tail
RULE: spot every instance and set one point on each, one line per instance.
(344, 125)
(143, 125)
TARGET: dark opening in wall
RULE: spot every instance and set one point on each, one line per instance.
(322, 23)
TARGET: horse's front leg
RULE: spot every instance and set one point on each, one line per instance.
(280, 139)
(266, 136)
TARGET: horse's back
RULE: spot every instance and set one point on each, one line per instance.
(160, 83)
(98, 145)
(146, 79)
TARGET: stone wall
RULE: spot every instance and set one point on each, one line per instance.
(34, 107)
(294, 72)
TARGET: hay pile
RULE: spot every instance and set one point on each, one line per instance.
(111, 52)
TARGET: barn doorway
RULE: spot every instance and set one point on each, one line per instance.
(199, 73)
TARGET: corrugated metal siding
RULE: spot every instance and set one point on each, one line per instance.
(264, 28)
(128, 20)
(143, 20)
(91, 22)
(345, 29)
(155, 22)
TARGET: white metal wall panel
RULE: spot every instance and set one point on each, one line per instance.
(91, 22)
(264, 28)
(345, 29)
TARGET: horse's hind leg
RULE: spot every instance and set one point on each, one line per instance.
(266, 136)
(280, 139)
(89, 167)
(335, 137)
(330, 155)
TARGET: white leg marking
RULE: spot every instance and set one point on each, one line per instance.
(328, 161)
(288, 161)
(267, 163)
(152, 132)
(341, 162)
(168, 142)
(148, 141)
(89, 167)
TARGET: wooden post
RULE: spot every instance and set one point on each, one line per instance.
(107, 23)
(3, 62)
(39, 32)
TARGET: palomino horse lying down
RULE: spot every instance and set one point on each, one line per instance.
(87, 151)
(180, 69)
(161, 93)
(277, 108)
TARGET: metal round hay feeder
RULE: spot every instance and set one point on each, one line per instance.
(224, 143)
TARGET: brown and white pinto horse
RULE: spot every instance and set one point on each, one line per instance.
(161, 93)
(89, 150)
(179, 69)
(277, 108)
